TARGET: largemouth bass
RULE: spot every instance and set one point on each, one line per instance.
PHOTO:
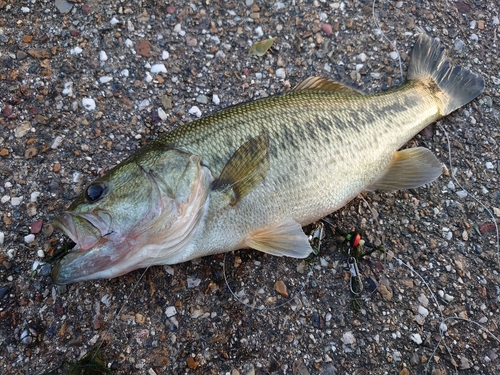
(251, 175)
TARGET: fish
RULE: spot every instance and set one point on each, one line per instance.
(253, 174)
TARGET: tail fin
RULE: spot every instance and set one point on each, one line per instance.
(457, 83)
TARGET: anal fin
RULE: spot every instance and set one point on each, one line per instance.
(285, 238)
(410, 168)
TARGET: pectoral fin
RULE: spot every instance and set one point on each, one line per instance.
(285, 238)
(245, 169)
(410, 168)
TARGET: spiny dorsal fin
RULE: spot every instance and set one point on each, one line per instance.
(285, 238)
(410, 168)
(245, 169)
(325, 84)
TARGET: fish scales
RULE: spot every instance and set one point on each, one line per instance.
(249, 176)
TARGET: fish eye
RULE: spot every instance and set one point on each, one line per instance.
(95, 192)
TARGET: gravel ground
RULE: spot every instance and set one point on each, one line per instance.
(79, 92)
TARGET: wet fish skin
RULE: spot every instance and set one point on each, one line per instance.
(251, 175)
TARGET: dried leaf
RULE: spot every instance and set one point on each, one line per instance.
(260, 48)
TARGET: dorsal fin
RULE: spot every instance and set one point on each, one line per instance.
(245, 169)
(325, 84)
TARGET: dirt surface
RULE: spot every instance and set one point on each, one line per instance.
(57, 57)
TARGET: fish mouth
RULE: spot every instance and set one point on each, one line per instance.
(89, 232)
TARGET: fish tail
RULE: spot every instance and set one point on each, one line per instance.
(458, 86)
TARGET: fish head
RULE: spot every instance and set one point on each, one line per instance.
(137, 215)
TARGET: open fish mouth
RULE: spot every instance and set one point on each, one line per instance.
(85, 230)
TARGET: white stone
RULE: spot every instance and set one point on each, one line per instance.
(105, 79)
(144, 104)
(215, 99)
(348, 338)
(124, 73)
(394, 55)
(423, 300)
(489, 165)
(259, 31)
(158, 68)
(177, 28)
(462, 194)
(162, 114)
(195, 111)
(40, 253)
(129, 43)
(170, 311)
(416, 338)
(76, 51)
(448, 297)
(68, 88)
(148, 78)
(5, 198)
(359, 67)
(165, 55)
(16, 201)
(113, 21)
(103, 56)
(280, 73)
(29, 238)
(34, 196)
(25, 9)
(88, 104)
(57, 142)
(362, 57)
(2, 237)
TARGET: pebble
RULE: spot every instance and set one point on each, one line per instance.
(2, 237)
(158, 68)
(327, 29)
(22, 130)
(29, 238)
(170, 311)
(416, 338)
(68, 88)
(105, 79)
(144, 104)
(280, 73)
(489, 165)
(461, 194)
(36, 226)
(259, 31)
(193, 282)
(362, 57)
(143, 48)
(16, 201)
(215, 99)
(385, 292)
(348, 338)
(148, 78)
(459, 45)
(39, 253)
(57, 142)
(76, 51)
(165, 55)
(419, 319)
(423, 300)
(202, 99)
(423, 311)
(5, 198)
(162, 114)
(195, 111)
(103, 56)
(88, 104)
(280, 287)
(63, 6)
(394, 55)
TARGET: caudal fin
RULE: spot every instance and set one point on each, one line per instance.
(458, 84)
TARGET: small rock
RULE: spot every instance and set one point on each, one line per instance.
(459, 45)
(191, 41)
(162, 114)
(215, 99)
(16, 201)
(416, 338)
(348, 338)
(489, 165)
(280, 73)
(88, 104)
(170, 311)
(103, 56)
(461, 194)
(280, 287)
(192, 364)
(29, 238)
(76, 51)
(195, 111)
(40, 53)
(202, 99)
(327, 29)
(22, 130)
(4, 152)
(2, 238)
(158, 68)
(385, 292)
(143, 48)
(57, 142)
(63, 6)
(423, 300)
(423, 311)
(193, 282)
(105, 79)
(36, 226)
